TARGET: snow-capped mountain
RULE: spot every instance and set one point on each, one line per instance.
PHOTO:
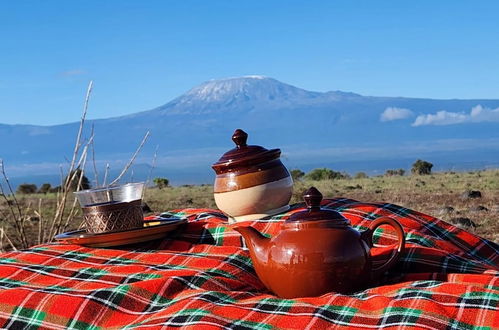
(312, 129)
(243, 94)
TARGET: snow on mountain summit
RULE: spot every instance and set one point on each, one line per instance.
(243, 94)
(247, 87)
(237, 94)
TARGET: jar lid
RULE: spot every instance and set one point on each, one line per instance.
(314, 212)
(243, 155)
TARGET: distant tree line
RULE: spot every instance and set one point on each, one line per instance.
(318, 174)
(399, 172)
(30, 188)
(419, 167)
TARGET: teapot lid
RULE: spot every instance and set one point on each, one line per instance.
(314, 212)
(243, 155)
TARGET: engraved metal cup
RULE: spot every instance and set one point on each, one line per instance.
(112, 208)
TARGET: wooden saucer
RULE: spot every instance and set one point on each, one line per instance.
(149, 232)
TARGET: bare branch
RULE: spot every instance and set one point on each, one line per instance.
(6, 178)
(61, 205)
(106, 173)
(40, 222)
(4, 234)
(58, 218)
(80, 129)
(131, 160)
(17, 219)
(153, 164)
(96, 174)
(73, 209)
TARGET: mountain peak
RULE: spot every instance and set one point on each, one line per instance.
(247, 88)
(236, 94)
(242, 94)
(255, 77)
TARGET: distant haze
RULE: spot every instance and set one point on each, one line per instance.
(342, 130)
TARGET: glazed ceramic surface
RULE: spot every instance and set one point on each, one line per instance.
(317, 252)
(251, 182)
(256, 202)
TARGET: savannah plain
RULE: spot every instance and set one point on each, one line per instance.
(443, 195)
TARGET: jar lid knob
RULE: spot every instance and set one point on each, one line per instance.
(239, 137)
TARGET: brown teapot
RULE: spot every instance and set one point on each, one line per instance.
(318, 251)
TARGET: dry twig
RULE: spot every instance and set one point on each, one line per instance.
(4, 234)
(18, 219)
(96, 174)
(61, 206)
(149, 175)
(130, 162)
(106, 173)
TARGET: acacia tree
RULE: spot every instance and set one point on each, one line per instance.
(361, 175)
(78, 173)
(161, 182)
(421, 167)
(297, 174)
(319, 174)
(26, 188)
(45, 188)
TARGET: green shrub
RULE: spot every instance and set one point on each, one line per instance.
(297, 174)
(161, 182)
(55, 189)
(421, 167)
(399, 172)
(319, 174)
(45, 188)
(78, 173)
(361, 175)
(26, 188)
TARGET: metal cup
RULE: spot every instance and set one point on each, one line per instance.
(112, 208)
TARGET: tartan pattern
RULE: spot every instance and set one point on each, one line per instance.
(446, 279)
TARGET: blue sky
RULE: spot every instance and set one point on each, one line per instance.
(142, 54)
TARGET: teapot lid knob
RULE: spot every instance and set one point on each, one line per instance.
(313, 198)
(314, 212)
(240, 137)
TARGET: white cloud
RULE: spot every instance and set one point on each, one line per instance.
(440, 118)
(477, 114)
(393, 113)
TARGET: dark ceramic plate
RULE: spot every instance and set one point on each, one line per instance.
(151, 230)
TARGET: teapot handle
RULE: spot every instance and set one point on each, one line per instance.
(367, 236)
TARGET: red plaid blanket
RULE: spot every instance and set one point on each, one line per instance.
(446, 279)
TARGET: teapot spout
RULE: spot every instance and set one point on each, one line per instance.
(257, 244)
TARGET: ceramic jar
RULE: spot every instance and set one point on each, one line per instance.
(251, 181)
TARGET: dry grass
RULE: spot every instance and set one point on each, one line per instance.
(428, 194)
(22, 225)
